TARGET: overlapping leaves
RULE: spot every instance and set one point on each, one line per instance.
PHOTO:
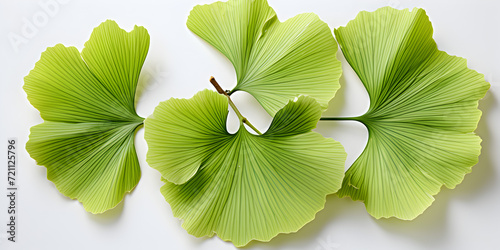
(275, 62)
(242, 186)
(86, 141)
(422, 115)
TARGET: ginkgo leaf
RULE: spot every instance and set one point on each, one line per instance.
(87, 101)
(422, 115)
(242, 186)
(274, 61)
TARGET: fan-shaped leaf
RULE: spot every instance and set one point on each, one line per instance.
(242, 186)
(87, 139)
(274, 61)
(423, 111)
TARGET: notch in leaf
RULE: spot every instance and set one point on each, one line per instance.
(86, 141)
(242, 186)
(422, 115)
(274, 62)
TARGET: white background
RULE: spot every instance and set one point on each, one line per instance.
(178, 65)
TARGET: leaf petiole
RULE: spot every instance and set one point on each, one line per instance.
(240, 116)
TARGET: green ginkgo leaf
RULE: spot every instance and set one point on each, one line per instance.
(242, 186)
(274, 61)
(422, 115)
(87, 101)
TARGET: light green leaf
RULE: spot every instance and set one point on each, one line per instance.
(274, 61)
(87, 139)
(422, 115)
(242, 186)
